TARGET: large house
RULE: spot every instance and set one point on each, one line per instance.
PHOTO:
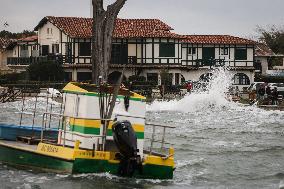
(147, 46)
(263, 57)
(23, 52)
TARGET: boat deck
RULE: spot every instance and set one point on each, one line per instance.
(18, 144)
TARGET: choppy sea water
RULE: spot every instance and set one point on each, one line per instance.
(218, 144)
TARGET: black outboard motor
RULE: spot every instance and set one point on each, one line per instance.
(126, 141)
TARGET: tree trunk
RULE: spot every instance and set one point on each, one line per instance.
(103, 26)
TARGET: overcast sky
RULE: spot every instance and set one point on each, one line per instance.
(234, 17)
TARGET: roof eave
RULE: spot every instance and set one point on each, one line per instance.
(41, 23)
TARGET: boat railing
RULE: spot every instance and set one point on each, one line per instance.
(43, 125)
(129, 116)
(32, 114)
(63, 126)
(153, 138)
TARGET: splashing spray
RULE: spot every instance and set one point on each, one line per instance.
(211, 94)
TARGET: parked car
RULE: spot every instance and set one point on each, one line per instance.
(187, 85)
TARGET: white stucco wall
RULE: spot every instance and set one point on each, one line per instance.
(52, 38)
(6, 54)
(264, 63)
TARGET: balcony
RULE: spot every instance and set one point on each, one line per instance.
(25, 61)
(210, 62)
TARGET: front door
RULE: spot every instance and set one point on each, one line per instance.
(208, 55)
(44, 50)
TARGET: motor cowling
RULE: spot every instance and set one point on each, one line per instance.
(125, 138)
(126, 141)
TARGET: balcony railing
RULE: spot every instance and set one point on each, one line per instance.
(210, 62)
(29, 60)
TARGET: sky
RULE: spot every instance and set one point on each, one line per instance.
(231, 17)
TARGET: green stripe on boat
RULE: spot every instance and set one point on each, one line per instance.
(85, 130)
(96, 131)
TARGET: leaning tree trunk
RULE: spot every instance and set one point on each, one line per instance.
(103, 26)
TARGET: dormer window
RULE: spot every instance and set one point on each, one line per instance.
(47, 31)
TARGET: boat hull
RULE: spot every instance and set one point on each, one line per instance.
(31, 159)
(25, 158)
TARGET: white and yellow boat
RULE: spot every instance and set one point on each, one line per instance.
(87, 143)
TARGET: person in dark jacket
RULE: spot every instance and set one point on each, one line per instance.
(261, 92)
(274, 95)
(268, 90)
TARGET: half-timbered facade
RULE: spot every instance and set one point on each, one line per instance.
(207, 51)
(147, 46)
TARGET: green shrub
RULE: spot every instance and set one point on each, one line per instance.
(12, 77)
(45, 71)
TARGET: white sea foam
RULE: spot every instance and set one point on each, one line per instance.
(215, 95)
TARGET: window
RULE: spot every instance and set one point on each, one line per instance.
(24, 47)
(44, 50)
(191, 50)
(241, 54)
(119, 54)
(67, 76)
(49, 31)
(35, 51)
(166, 79)
(177, 77)
(167, 50)
(153, 77)
(68, 52)
(208, 56)
(24, 51)
(55, 48)
(224, 51)
(85, 49)
(241, 79)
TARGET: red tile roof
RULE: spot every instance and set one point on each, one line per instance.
(216, 39)
(29, 39)
(262, 49)
(77, 27)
